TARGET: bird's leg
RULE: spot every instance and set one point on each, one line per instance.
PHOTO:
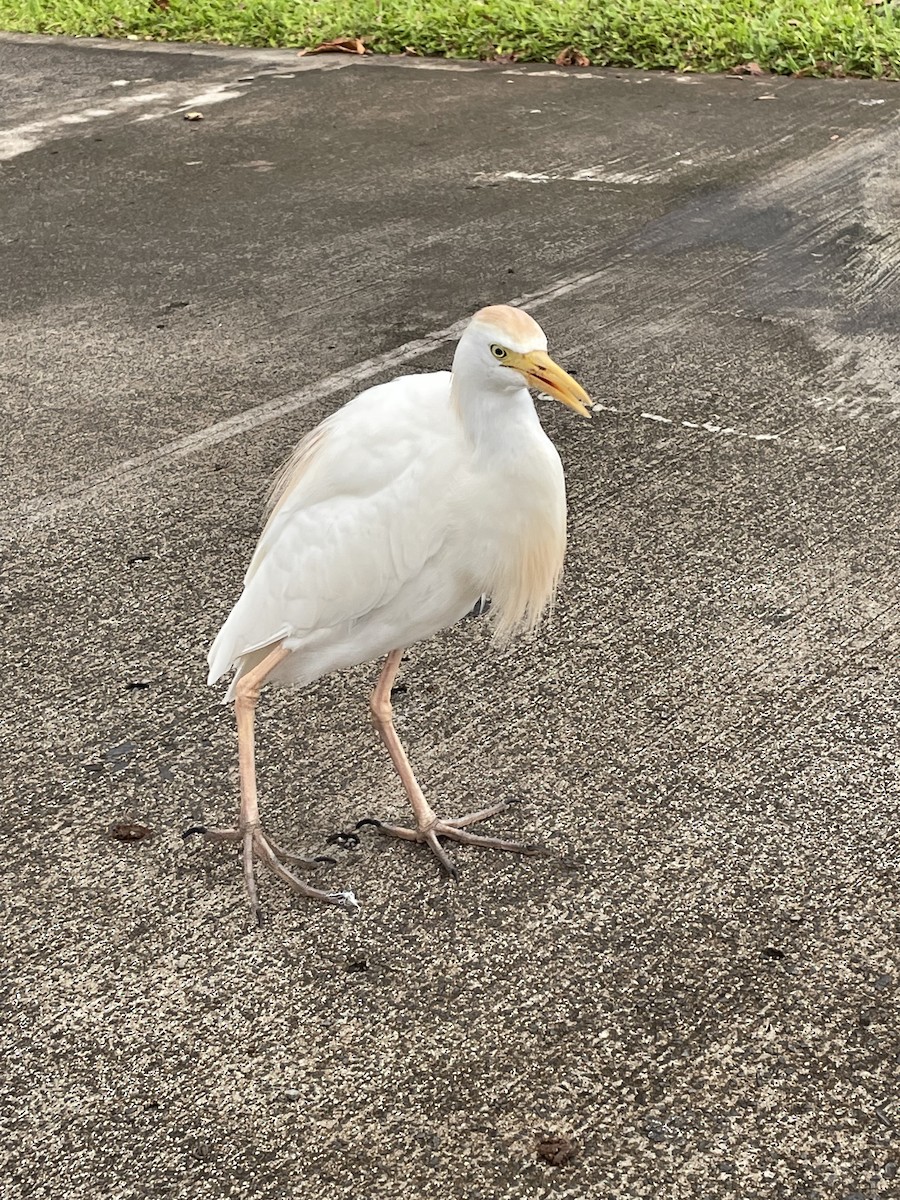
(255, 843)
(383, 720)
(429, 826)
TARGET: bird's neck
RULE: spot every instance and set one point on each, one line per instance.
(493, 419)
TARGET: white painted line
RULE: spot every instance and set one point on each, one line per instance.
(20, 139)
(585, 175)
(142, 466)
(413, 64)
(214, 96)
(599, 173)
(516, 176)
(706, 427)
(582, 74)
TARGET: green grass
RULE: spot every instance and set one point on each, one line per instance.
(810, 36)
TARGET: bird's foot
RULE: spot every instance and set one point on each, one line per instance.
(455, 829)
(259, 846)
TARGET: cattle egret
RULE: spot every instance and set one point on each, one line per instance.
(390, 521)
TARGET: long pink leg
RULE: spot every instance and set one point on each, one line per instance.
(429, 826)
(248, 831)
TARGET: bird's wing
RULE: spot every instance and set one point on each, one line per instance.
(357, 519)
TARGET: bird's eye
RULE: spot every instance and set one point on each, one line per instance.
(498, 352)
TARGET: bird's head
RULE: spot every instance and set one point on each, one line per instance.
(511, 346)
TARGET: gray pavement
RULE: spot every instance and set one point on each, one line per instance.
(699, 986)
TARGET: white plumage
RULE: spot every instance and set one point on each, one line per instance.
(388, 523)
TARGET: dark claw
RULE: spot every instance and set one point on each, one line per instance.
(323, 858)
(368, 821)
(344, 839)
(186, 833)
(453, 873)
(481, 606)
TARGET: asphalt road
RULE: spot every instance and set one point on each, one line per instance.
(699, 986)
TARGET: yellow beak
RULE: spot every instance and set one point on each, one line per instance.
(541, 372)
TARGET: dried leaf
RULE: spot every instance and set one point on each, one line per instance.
(130, 831)
(570, 57)
(748, 68)
(831, 69)
(338, 46)
(556, 1149)
(193, 116)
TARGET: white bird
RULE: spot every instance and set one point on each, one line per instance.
(390, 521)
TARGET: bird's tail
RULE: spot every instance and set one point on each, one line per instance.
(226, 652)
